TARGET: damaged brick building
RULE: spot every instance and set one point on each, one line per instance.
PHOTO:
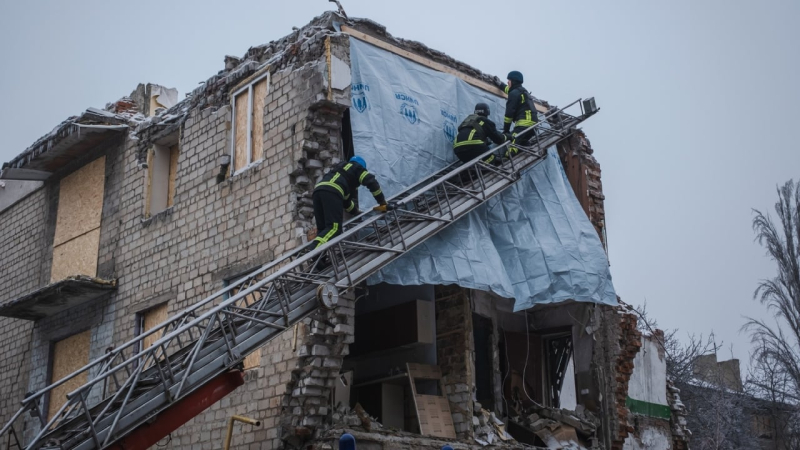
(124, 216)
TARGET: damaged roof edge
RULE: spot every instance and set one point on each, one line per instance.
(97, 123)
(57, 297)
(279, 53)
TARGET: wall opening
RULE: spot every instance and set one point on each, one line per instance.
(394, 326)
(162, 174)
(348, 149)
(484, 371)
(559, 370)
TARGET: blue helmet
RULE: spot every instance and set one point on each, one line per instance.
(447, 447)
(347, 442)
(359, 160)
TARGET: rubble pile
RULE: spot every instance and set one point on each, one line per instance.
(355, 418)
(561, 428)
(488, 429)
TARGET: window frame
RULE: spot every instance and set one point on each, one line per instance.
(169, 145)
(249, 150)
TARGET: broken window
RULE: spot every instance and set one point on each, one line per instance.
(68, 356)
(559, 368)
(247, 145)
(162, 171)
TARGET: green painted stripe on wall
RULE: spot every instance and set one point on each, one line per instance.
(648, 409)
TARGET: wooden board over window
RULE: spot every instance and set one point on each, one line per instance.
(152, 318)
(80, 201)
(77, 235)
(69, 355)
(240, 146)
(259, 100)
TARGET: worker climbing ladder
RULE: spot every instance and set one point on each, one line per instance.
(134, 396)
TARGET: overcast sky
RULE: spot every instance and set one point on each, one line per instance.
(699, 102)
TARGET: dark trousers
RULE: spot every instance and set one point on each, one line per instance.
(524, 140)
(329, 214)
(467, 153)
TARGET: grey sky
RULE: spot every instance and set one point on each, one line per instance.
(699, 103)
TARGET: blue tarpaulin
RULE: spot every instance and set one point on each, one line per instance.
(533, 242)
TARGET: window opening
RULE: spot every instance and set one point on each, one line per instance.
(248, 102)
(162, 173)
(558, 358)
(482, 336)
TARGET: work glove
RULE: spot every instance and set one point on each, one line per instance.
(509, 136)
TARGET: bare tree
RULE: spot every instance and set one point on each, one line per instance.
(680, 355)
(778, 346)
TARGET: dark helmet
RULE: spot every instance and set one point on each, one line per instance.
(482, 109)
(515, 75)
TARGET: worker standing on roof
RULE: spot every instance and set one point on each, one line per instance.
(474, 135)
(337, 193)
(519, 111)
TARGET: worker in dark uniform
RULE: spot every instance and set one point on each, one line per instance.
(337, 193)
(519, 111)
(474, 135)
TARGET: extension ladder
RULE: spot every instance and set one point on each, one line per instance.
(132, 388)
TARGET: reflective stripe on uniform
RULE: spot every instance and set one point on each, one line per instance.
(506, 119)
(469, 140)
(347, 167)
(363, 175)
(473, 142)
(377, 193)
(352, 205)
(322, 240)
(331, 184)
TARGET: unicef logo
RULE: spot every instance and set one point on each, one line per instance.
(449, 130)
(409, 112)
(360, 102)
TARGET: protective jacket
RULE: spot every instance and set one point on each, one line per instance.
(519, 109)
(477, 130)
(345, 178)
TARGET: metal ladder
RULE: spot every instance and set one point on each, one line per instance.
(129, 386)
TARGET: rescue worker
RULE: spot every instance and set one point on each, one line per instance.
(474, 135)
(519, 111)
(337, 193)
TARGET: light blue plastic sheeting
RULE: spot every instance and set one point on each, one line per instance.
(532, 242)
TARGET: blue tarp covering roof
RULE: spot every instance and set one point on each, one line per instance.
(532, 242)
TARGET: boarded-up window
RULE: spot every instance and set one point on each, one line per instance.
(162, 172)
(69, 355)
(149, 319)
(247, 145)
(77, 235)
